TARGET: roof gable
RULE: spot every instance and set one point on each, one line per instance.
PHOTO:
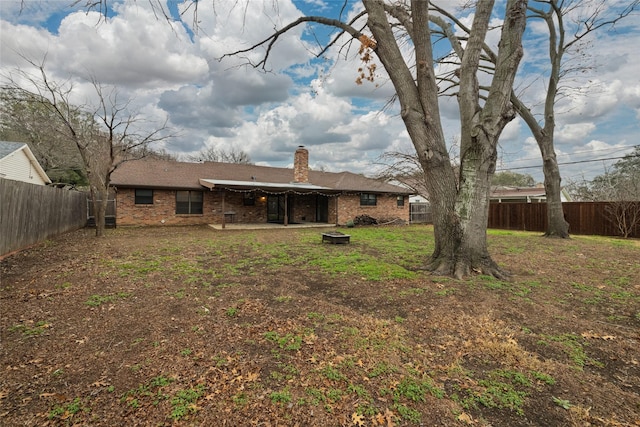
(15, 166)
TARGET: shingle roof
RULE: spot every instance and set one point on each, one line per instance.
(150, 173)
(7, 148)
(517, 192)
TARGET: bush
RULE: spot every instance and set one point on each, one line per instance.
(365, 220)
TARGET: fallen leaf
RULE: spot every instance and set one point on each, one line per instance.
(389, 415)
(357, 420)
(100, 383)
(591, 335)
(41, 395)
(466, 418)
(379, 419)
(310, 339)
(4, 394)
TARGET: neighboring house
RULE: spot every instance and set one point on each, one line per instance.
(418, 198)
(503, 194)
(18, 163)
(169, 192)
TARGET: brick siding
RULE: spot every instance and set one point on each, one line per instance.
(163, 209)
(386, 208)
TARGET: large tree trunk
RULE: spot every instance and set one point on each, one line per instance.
(557, 226)
(100, 209)
(99, 203)
(460, 213)
(98, 176)
(463, 248)
(481, 127)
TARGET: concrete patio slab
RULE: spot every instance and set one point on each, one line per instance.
(270, 226)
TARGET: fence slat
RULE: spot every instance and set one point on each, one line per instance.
(420, 213)
(32, 213)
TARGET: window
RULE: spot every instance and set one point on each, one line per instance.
(189, 202)
(368, 199)
(144, 197)
(400, 200)
(249, 199)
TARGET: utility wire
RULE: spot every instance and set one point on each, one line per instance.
(571, 163)
(614, 149)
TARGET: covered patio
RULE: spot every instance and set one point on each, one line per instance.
(269, 226)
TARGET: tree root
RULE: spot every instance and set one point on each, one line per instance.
(459, 269)
(555, 235)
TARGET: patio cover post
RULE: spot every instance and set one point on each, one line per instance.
(223, 215)
(286, 209)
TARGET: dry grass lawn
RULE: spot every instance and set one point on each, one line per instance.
(194, 326)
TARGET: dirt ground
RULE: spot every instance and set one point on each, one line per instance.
(195, 326)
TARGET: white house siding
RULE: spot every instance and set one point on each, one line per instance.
(18, 167)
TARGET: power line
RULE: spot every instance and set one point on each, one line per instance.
(571, 163)
(614, 149)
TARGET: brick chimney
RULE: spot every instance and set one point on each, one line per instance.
(301, 165)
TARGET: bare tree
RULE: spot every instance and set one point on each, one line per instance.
(554, 14)
(105, 134)
(564, 46)
(404, 168)
(212, 154)
(620, 188)
(622, 194)
(625, 215)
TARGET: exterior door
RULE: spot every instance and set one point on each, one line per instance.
(276, 208)
(322, 208)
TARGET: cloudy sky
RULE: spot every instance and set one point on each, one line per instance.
(171, 70)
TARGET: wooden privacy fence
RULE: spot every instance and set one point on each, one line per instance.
(32, 213)
(420, 213)
(583, 217)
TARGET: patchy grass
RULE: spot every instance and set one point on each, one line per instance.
(191, 326)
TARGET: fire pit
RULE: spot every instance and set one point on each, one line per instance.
(335, 237)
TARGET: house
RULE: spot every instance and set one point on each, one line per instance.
(502, 194)
(18, 163)
(170, 192)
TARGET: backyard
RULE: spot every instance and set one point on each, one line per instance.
(196, 326)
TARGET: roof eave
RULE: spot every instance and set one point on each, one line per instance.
(264, 186)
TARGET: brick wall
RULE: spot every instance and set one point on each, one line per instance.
(163, 209)
(386, 208)
(234, 202)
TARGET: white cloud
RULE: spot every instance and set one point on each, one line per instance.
(132, 49)
(172, 70)
(574, 132)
